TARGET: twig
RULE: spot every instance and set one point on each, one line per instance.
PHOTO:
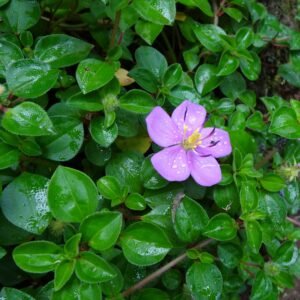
(216, 12)
(115, 29)
(169, 47)
(295, 222)
(265, 159)
(162, 270)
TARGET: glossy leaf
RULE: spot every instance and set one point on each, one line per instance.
(63, 273)
(61, 50)
(24, 203)
(9, 156)
(93, 74)
(38, 256)
(92, 268)
(72, 195)
(28, 78)
(101, 230)
(206, 79)
(139, 238)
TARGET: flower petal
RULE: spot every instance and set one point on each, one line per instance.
(190, 114)
(162, 129)
(205, 170)
(171, 163)
(215, 142)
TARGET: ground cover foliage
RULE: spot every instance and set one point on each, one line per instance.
(84, 215)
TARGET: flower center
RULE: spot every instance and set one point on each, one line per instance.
(193, 141)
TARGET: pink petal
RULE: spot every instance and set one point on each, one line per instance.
(215, 142)
(171, 163)
(190, 114)
(205, 170)
(162, 129)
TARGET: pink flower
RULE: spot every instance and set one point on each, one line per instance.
(189, 149)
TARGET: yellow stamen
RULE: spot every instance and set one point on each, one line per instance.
(193, 141)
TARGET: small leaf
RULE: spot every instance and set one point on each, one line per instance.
(254, 235)
(227, 64)
(284, 123)
(287, 254)
(9, 156)
(71, 246)
(272, 182)
(139, 238)
(137, 101)
(24, 203)
(221, 227)
(92, 74)
(160, 12)
(110, 187)
(230, 255)
(173, 76)
(244, 37)
(38, 256)
(206, 79)
(92, 268)
(148, 31)
(102, 135)
(190, 219)
(28, 78)
(205, 280)
(101, 230)
(28, 119)
(61, 50)
(63, 273)
(72, 195)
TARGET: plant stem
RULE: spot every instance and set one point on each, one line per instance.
(295, 222)
(115, 29)
(265, 159)
(169, 47)
(162, 270)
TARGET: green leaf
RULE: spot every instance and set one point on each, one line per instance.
(110, 187)
(92, 74)
(152, 60)
(272, 182)
(251, 68)
(72, 195)
(38, 256)
(9, 53)
(22, 15)
(27, 119)
(210, 36)
(14, 294)
(90, 102)
(244, 37)
(262, 287)
(191, 57)
(189, 220)
(137, 101)
(30, 147)
(206, 79)
(9, 156)
(61, 50)
(230, 255)
(92, 268)
(221, 227)
(71, 247)
(76, 289)
(28, 78)
(248, 196)
(102, 135)
(24, 203)
(101, 230)
(151, 293)
(2, 252)
(284, 123)
(290, 73)
(234, 13)
(139, 238)
(67, 140)
(242, 141)
(233, 85)
(177, 94)
(256, 122)
(254, 235)
(126, 167)
(160, 12)
(148, 31)
(135, 201)
(205, 281)
(287, 254)
(63, 273)
(226, 197)
(145, 78)
(172, 76)
(114, 286)
(151, 179)
(227, 64)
